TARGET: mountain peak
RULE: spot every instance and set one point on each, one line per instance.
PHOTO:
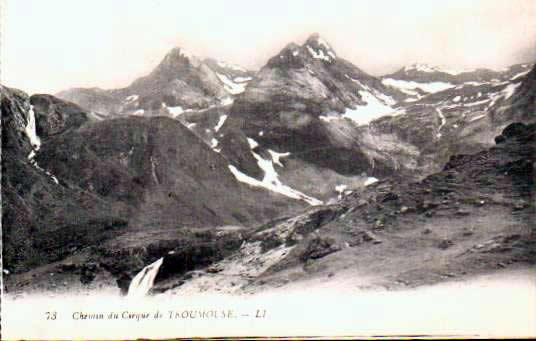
(314, 36)
(291, 56)
(177, 58)
(319, 48)
(177, 52)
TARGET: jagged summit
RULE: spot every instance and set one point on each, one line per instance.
(177, 52)
(176, 60)
(297, 56)
(319, 48)
(315, 38)
(291, 56)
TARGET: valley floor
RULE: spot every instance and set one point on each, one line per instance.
(406, 260)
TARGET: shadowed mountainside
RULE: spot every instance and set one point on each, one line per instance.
(71, 180)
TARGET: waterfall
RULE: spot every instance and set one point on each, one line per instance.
(144, 280)
(31, 131)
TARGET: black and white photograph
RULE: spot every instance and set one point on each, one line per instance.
(297, 169)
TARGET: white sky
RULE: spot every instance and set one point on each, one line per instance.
(51, 45)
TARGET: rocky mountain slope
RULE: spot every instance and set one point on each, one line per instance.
(71, 180)
(300, 115)
(474, 216)
(180, 83)
(312, 122)
(161, 169)
(418, 80)
(318, 119)
(460, 119)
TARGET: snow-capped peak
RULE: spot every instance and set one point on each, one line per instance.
(321, 41)
(319, 48)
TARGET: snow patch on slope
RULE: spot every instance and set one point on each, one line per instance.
(329, 118)
(412, 85)
(373, 109)
(131, 98)
(214, 145)
(274, 187)
(504, 94)
(252, 143)
(443, 121)
(430, 69)
(476, 118)
(381, 96)
(377, 105)
(227, 101)
(319, 54)
(230, 86)
(370, 181)
(510, 89)
(271, 178)
(96, 116)
(221, 121)
(340, 189)
(242, 79)
(519, 75)
(175, 111)
(277, 156)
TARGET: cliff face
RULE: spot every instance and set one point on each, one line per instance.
(43, 218)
